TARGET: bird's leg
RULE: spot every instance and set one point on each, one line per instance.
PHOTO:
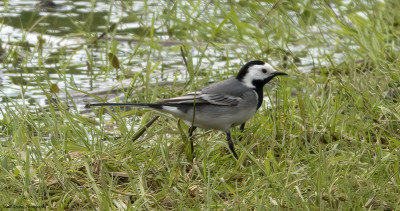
(241, 131)
(191, 130)
(230, 143)
(242, 127)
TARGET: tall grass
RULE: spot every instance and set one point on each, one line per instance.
(328, 138)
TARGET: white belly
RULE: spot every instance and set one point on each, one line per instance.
(209, 116)
(218, 118)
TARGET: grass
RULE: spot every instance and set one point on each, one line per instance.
(329, 140)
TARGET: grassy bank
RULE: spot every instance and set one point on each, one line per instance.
(328, 140)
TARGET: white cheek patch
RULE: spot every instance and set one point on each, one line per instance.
(254, 73)
(248, 80)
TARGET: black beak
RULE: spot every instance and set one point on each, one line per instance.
(278, 73)
(272, 75)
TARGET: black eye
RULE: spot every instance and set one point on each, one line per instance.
(264, 70)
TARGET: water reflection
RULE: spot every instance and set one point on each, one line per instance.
(46, 43)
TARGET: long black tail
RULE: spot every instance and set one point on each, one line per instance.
(138, 105)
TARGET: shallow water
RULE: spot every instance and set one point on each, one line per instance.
(41, 47)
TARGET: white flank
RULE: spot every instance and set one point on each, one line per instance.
(184, 98)
(171, 109)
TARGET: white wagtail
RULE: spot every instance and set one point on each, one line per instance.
(219, 106)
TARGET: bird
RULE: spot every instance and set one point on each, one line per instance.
(219, 106)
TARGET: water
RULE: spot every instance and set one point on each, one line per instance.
(41, 47)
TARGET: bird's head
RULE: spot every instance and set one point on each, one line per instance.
(257, 73)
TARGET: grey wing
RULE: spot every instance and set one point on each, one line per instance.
(225, 93)
(203, 98)
(231, 87)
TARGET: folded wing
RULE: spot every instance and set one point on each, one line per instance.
(204, 98)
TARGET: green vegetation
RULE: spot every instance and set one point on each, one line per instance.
(329, 140)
